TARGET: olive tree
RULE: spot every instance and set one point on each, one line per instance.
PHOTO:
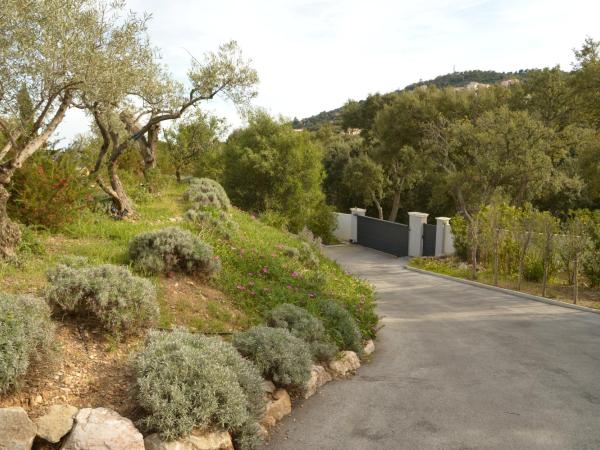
(365, 178)
(52, 52)
(134, 119)
(187, 141)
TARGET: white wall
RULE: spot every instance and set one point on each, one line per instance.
(343, 229)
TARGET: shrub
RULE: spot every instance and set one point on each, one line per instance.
(172, 250)
(189, 380)
(340, 325)
(204, 192)
(305, 326)
(212, 220)
(291, 252)
(50, 190)
(112, 295)
(533, 270)
(278, 354)
(25, 332)
(591, 267)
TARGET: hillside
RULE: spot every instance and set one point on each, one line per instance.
(261, 267)
(455, 79)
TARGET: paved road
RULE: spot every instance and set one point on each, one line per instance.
(457, 367)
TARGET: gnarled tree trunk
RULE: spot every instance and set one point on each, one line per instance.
(395, 207)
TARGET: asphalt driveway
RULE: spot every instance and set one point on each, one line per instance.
(457, 367)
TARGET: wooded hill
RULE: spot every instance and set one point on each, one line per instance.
(454, 79)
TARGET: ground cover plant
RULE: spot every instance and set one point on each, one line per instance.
(26, 333)
(186, 381)
(305, 326)
(280, 356)
(172, 250)
(110, 295)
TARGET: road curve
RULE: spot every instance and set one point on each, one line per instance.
(457, 367)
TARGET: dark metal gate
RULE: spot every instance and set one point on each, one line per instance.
(429, 239)
(388, 237)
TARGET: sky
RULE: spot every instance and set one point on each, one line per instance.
(314, 55)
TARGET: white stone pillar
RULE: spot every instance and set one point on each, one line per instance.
(440, 235)
(354, 224)
(415, 233)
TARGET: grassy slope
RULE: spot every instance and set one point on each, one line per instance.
(256, 274)
(557, 289)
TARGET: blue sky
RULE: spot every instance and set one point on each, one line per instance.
(313, 55)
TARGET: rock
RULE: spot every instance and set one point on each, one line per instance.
(198, 440)
(17, 431)
(277, 409)
(102, 428)
(369, 347)
(345, 365)
(58, 422)
(269, 387)
(318, 377)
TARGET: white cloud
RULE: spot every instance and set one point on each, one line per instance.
(313, 55)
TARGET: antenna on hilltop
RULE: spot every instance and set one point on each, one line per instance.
(453, 68)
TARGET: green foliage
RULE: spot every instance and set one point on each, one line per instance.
(278, 354)
(460, 232)
(172, 250)
(204, 192)
(305, 326)
(187, 381)
(26, 331)
(533, 269)
(50, 190)
(340, 325)
(107, 295)
(269, 166)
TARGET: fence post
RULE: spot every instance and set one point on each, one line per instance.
(415, 232)
(354, 222)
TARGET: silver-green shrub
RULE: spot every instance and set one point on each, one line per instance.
(278, 354)
(204, 192)
(305, 326)
(172, 250)
(186, 380)
(26, 331)
(340, 325)
(218, 221)
(110, 295)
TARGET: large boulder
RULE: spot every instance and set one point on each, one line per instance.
(56, 423)
(17, 431)
(277, 408)
(318, 377)
(346, 364)
(197, 440)
(103, 428)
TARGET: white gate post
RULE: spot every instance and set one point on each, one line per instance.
(415, 232)
(354, 224)
(440, 235)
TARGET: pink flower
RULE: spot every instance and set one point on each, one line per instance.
(289, 286)
(295, 274)
(265, 270)
(241, 287)
(312, 295)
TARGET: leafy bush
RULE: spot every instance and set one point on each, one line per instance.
(172, 250)
(112, 295)
(50, 190)
(25, 332)
(461, 240)
(533, 269)
(340, 325)
(591, 267)
(305, 326)
(204, 192)
(189, 380)
(278, 354)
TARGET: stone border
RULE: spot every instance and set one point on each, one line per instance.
(524, 295)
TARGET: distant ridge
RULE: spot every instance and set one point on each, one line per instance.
(455, 79)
